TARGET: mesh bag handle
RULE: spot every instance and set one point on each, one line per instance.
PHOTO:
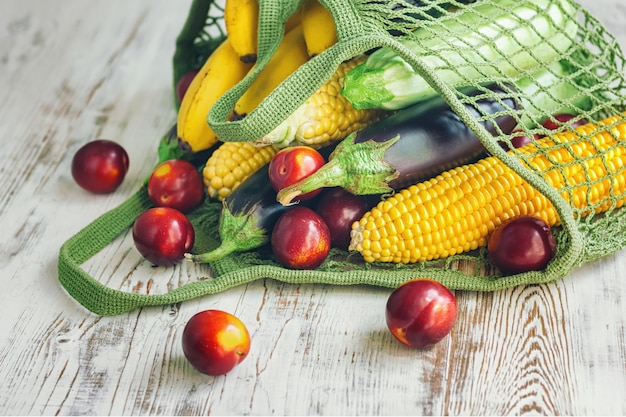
(231, 271)
(362, 25)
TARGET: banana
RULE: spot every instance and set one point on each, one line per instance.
(289, 56)
(318, 26)
(221, 71)
(241, 19)
(293, 21)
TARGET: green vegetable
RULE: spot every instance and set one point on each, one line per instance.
(247, 218)
(565, 86)
(410, 146)
(481, 40)
(425, 138)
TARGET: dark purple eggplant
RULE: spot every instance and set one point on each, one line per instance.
(413, 144)
(248, 216)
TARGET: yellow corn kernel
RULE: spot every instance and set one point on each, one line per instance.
(231, 164)
(326, 116)
(457, 210)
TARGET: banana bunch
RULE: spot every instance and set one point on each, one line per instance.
(241, 19)
(310, 31)
(241, 22)
(289, 56)
(220, 72)
(318, 26)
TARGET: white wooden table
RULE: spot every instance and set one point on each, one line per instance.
(73, 71)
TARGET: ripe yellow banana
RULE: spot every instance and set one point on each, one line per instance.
(289, 56)
(318, 27)
(221, 71)
(241, 19)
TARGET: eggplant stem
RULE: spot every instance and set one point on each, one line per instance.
(224, 249)
(286, 196)
(238, 233)
(359, 168)
(330, 174)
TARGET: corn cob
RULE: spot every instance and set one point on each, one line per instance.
(231, 164)
(457, 210)
(326, 116)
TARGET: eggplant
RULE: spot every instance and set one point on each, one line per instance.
(248, 215)
(411, 145)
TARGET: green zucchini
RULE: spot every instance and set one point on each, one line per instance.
(504, 39)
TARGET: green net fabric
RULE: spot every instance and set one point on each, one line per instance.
(595, 86)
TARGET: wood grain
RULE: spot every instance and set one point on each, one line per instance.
(75, 71)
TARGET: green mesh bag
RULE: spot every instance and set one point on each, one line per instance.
(593, 86)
